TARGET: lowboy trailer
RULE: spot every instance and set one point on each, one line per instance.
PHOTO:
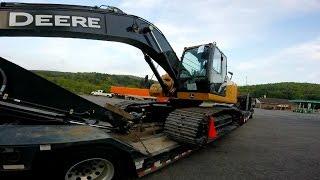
(55, 134)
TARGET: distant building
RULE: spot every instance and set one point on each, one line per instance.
(274, 104)
(306, 106)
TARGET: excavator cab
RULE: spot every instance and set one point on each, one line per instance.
(193, 69)
(203, 75)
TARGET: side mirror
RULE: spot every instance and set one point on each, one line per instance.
(231, 74)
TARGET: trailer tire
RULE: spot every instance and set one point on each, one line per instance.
(55, 165)
(104, 164)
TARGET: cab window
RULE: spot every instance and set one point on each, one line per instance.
(194, 62)
(217, 61)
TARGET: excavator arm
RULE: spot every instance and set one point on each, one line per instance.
(69, 21)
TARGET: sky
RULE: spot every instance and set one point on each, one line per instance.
(266, 41)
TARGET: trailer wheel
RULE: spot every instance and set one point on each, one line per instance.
(93, 166)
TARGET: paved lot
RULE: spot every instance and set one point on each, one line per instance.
(273, 145)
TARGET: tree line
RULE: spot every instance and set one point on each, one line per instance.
(284, 90)
(84, 83)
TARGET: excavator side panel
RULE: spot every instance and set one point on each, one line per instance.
(230, 95)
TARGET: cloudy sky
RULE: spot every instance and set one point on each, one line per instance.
(265, 41)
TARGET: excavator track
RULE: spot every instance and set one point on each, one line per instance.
(190, 125)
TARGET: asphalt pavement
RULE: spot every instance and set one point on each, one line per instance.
(272, 145)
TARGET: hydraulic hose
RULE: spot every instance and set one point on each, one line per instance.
(4, 81)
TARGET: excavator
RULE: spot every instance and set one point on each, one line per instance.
(201, 102)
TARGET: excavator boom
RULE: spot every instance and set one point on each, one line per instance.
(70, 21)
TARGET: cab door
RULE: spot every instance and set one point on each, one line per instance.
(217, 70)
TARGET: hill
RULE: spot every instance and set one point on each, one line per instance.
(84, 83)
(285, 90)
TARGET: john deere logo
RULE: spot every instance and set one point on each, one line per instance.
(20, 19)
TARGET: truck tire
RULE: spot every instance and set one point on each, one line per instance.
(55, 166)
(100, 165)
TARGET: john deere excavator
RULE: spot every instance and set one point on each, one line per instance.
(202, 103)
